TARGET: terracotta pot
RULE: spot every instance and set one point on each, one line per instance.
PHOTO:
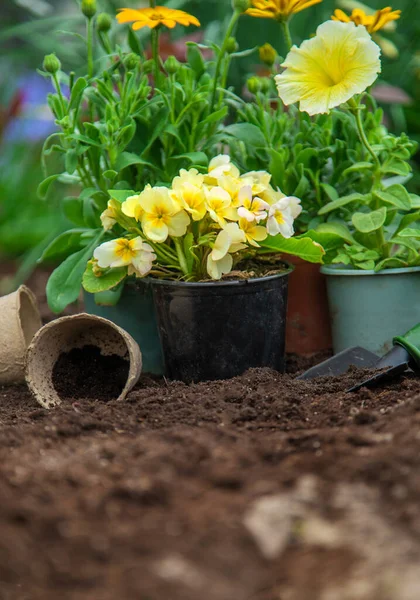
(76, 331)
(308, 320)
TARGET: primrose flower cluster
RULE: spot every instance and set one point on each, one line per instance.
(199, 227)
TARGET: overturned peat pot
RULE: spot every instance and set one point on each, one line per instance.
(82, 357)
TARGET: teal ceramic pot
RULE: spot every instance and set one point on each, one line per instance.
(135, 313)
(369, 309)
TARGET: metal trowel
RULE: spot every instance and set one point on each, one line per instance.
(404, 355)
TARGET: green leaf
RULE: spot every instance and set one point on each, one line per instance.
(367, 222)
(330, 191)
(64, 284)
(65, 244)
(107, 281)
(396, 166)
(219, 115)
(126, 159)
(247, 133)
(410, 233)
(391, 263)
(76, 93)
(195, 59)
(415, 201)
(302, 247)
(194, 158)
(357, 167)
(408, 220)
(338, 229)
(44, 186)
(188, 242)
(121, 195)
(343, 201)
(396, 195)
(71, 160)
(367, 265)
(329, 241)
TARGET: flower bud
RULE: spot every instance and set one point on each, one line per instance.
(265, 84)
(51, 64)
(172, 65)
(254, 85)
(148, 66)
(231, 45)
(104, 22)
(131, 61)
(267, 54)
(88, 8)
(241, 5)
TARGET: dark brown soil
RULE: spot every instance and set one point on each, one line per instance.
(257, 488)
(86, 373)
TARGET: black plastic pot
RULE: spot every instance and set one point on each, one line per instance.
(218, 330)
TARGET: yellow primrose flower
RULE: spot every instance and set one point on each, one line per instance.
(252, 209)
(219, 205)
(188, 192)
(160, 215)
(131, 207)
(253, 233)
(280, 219)
(258, 180)
(231, 239)
(281, 10)
(373, 22)
(135, 254)
(329, 69)
(108, 217)
(221, 165)
(152, 17)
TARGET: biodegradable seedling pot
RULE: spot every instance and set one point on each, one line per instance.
(19, 321)
(218, 330)
(77, 331)
(370, 308)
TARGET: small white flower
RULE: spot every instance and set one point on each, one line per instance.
(135, 254)
(108, 219)
(280, 219)
(295, 206)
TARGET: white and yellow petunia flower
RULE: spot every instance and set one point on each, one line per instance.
(252, 209)
(229, 240)
(219, 205)
(329, 69)
(280, 219)
(160, 215)
(253, 233)
(135, 254)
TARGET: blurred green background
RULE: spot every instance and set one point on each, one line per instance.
(29, 29)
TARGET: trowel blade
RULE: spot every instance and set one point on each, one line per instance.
(394, 363)
(340, 363)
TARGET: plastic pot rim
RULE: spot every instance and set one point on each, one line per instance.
(214, 284)
(339, 271)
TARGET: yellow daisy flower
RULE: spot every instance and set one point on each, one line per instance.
(341, 61)
(152, 17)
(281, 10)
(373, 22)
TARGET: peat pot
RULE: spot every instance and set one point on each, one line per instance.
(135, 314)
(369, 309)
(308, 320)
(218, 330)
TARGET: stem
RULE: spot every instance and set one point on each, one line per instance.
(59, 92)
(89, 30)
(286, 34)
(181, 255)
(155, 54)
(234, 19)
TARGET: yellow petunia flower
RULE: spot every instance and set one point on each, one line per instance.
(152, 17)
(373, 22)
(329, 69)
(280, 10)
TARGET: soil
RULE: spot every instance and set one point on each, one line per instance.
(86, 373)
(257, 488)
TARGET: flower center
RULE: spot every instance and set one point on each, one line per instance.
(124, 249)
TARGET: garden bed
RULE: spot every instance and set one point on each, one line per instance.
(257, 488)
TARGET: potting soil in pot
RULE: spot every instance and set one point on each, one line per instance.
(86, 373)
